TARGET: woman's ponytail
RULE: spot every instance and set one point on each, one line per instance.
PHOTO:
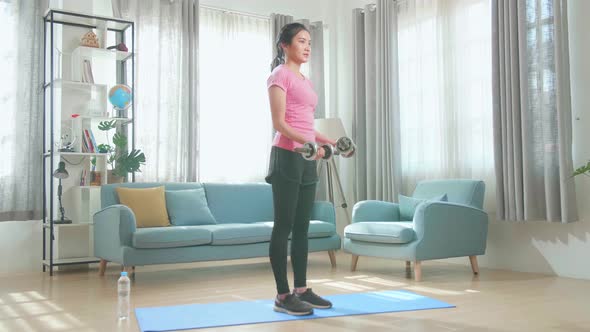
(279, 59)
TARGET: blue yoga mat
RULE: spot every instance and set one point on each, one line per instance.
(194, 316)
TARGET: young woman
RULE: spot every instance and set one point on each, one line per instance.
(293, 179)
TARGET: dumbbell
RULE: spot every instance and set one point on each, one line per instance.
(344, 147)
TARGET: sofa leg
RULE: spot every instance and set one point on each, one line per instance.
(418, 270)
(474, 267)
(355, 259)
(332, 255)
(102, 267)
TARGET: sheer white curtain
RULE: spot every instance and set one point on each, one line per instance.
(166, 93)
(21, 108)
(235, 122)
(445, 92)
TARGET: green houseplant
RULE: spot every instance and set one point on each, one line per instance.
(585, 170)
(120, 160)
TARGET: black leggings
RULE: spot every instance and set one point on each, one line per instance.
(293, 182)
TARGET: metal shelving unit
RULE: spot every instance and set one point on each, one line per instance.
(125, 67)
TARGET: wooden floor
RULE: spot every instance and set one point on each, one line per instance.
(494, 301)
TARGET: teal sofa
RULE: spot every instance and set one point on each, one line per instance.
(439, 229)
(243, 225)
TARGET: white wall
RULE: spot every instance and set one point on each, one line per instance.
(20, 246)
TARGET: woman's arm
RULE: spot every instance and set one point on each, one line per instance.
(278, 105)
(320, 138)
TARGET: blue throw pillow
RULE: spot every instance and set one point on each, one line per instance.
(188, 207)
(408, 205)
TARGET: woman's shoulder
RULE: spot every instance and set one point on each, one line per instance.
(280, 76)
(280, 71)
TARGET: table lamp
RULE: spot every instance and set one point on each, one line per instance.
(61, 173)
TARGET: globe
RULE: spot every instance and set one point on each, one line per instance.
(120, 97)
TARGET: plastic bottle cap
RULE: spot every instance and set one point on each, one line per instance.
(123, 274)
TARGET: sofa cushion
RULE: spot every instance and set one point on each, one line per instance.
(233, 203)
(171, 237)
(317, 228)
(408, 205)
(380, 232)
(226, 234)
(108, 193)
(148, 205)
(188, 207)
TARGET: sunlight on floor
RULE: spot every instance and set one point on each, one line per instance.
(354, 285)
(348, 286)
(29, 311)
(433, 290)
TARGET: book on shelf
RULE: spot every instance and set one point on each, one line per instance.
(89, 141)
(83, 175)
(93, 141)
(87, 76)
(90, 144)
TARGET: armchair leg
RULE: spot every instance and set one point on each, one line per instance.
(332, 255)
(474, 267)
(355, 259)
(418, 270)
(102, 267)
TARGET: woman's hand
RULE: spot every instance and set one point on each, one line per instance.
(321, 153)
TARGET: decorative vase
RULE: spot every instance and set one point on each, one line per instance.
(114, 178)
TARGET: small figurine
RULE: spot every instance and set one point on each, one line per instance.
(90, 40)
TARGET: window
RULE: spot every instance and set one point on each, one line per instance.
(235, 120)
(445, 91)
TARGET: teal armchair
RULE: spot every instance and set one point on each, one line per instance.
(439, 229)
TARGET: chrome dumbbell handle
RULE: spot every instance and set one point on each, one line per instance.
(309, 151)
(345, 147)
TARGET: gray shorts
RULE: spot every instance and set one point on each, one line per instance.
(291, 166)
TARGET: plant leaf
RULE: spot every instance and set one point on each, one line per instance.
(119, 140)
(107, 125)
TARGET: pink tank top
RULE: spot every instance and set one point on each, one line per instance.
(301, 103)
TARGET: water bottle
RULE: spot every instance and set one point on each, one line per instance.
(124, 291)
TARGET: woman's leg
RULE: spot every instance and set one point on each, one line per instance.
(299, 241)
(285, 195)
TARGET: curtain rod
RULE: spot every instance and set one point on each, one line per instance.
(264, 17)
(373, 6)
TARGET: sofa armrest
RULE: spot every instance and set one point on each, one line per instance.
(445, 229)
(323, 211)
(372, 210)
(113, 229)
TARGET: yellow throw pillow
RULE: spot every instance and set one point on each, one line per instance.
(148, 204)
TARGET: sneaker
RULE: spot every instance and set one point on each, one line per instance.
(313, 299)
(293, 306)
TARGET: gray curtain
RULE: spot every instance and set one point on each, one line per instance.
(316, 64)
(376, 118)
(277, 21)
(21, 102)
(167, 92)
(532, 111)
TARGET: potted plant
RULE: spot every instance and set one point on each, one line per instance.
(120, 160)
(585, 170)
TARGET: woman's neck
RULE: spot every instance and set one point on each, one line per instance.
(294, 67)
